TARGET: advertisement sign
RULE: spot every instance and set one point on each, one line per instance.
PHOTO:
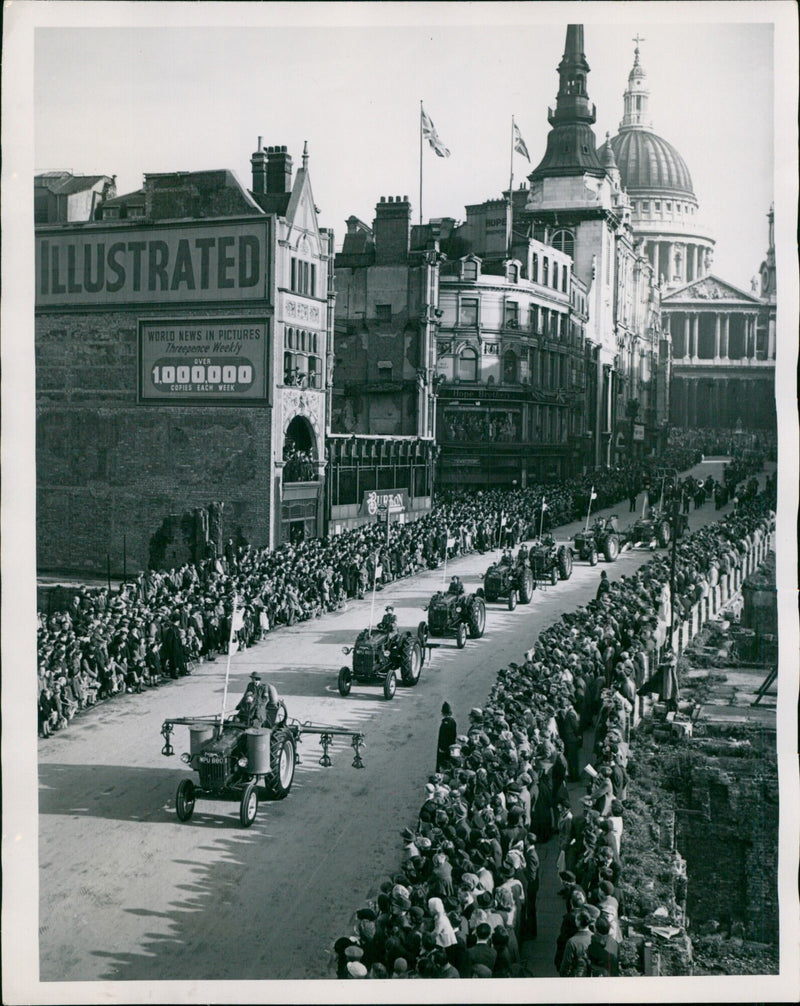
(209, 360)
(152, 265)
(638, 431)
(377, 501)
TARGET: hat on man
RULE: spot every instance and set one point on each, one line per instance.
(354, 952)
(355, 969)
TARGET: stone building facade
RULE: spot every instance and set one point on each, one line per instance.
(181, 358)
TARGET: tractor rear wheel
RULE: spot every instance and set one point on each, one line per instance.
(282, 757)
(410, 660)
(476, 616)
(345, 680)
(512, 600)
(422, 633)
(526, 587)
(248, 807)
(611, 548)
(564, 562)
(184, 800)
(390, 684)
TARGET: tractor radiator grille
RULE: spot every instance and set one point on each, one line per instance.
(212, 771)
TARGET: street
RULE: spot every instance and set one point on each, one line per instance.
(127, 892)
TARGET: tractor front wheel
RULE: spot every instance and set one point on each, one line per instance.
(184, 800)
(345, 680)
(248, 807)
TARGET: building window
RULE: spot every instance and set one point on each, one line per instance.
(545, 271)
(564, 241)
(469, 271)
(383, 314)
(646, 207)
(658, 207)
(510, 367)
(512, 274)
(469, 312)
(669, 207)
(303, 277)
(534, 318)
(512, 314)
(564, 277)
(468, 365)
(555, 275)
(535, 269)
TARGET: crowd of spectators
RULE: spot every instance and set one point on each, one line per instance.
(161, 623)
(713, 441)
(464, 899)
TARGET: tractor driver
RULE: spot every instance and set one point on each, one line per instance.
(456, 586)
(389, 621)
(252, 707)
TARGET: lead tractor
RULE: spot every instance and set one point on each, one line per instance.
(602, 538)
(549, 561)
(247, 755)
(380, 653)
(456, 614)
(508, 579)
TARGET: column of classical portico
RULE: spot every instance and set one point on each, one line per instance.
(686, 338)
(717, 330)
(657, 260)
(695, 336)
(726, 337)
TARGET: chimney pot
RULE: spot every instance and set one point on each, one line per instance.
(260, 142)
(383, 199)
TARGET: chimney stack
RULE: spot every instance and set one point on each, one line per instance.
(279, 171)
(258, 162)
(392, 230)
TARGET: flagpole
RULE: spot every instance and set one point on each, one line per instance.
(228, 664)
(591, 497)
(541, 520)
(420, 162)
(374, 586)
(510, 213)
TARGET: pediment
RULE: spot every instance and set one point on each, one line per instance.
(709, 288)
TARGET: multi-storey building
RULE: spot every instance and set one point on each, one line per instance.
(577, 203)
(183, 335)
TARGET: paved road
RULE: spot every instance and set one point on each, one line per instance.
(129, 893)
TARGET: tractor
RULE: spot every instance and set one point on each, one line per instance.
(602, 538)
(647, 532)
(549, 561)
(380, 652)
(454, 613)
(249, 753)
(510, 579)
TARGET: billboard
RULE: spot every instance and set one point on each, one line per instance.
(376, 502)
(220, 360)
(152, 265)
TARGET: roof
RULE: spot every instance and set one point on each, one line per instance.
(127, 199)
(64, 183)
(647, 163)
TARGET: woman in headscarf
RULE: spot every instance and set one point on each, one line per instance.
(443, 931)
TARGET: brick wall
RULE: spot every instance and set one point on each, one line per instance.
(108, 466)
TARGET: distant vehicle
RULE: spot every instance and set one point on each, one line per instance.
(250, 753)
(508, 579)
(380, 653)
(602, 538)
(454, 613)
(549, 561)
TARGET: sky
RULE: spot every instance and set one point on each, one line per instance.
(125, 101)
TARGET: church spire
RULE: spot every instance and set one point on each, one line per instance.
(636, 96)
(571, 144)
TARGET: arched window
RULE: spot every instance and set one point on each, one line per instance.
(468, 365)
(510, 367)
(564, 241)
